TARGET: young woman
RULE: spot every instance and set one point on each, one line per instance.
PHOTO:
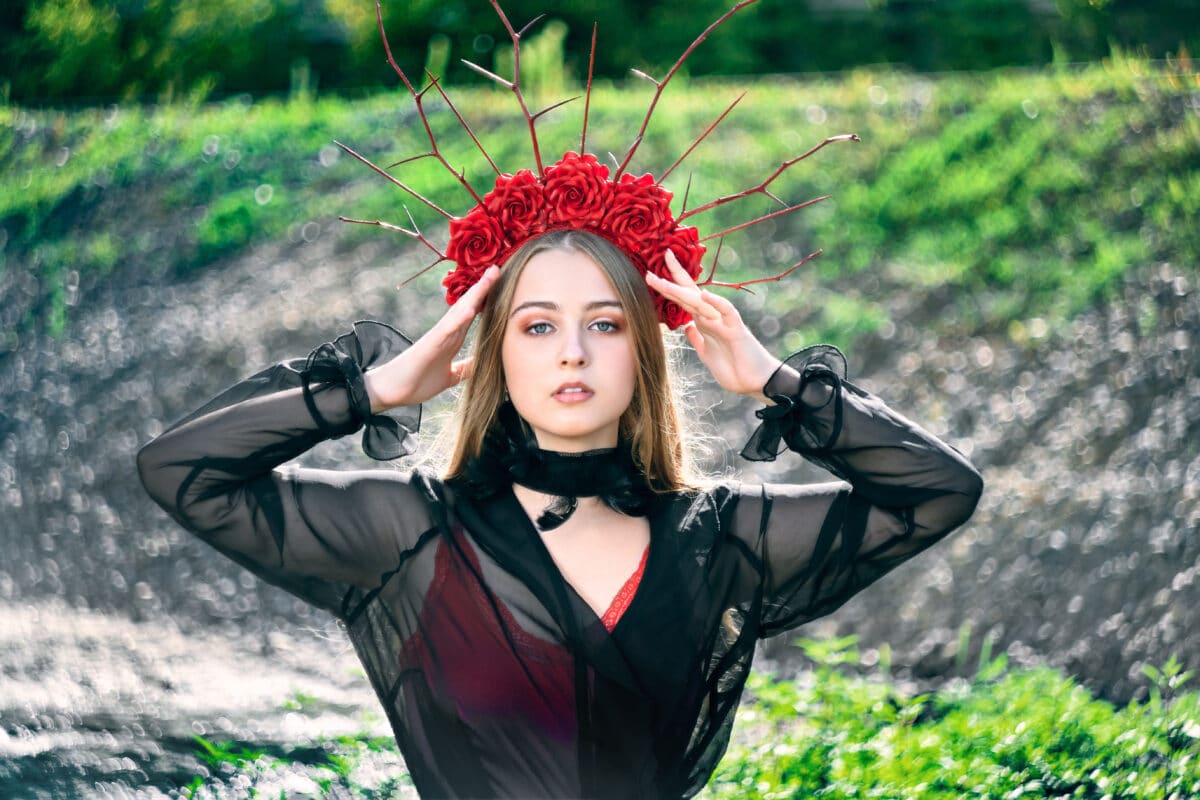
(567, 612)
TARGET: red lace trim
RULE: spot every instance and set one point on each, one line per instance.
(625, 596)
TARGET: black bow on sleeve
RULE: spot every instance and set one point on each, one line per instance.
(344, 362)
(783, 423)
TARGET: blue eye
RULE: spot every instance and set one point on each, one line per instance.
(538, 328)
(605, 326)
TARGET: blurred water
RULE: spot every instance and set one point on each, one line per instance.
(93, 705)
(121, 637)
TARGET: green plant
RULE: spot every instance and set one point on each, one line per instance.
(232, 758)
(1165, 682)
(1005, 733)
(333, 765)
(839, 732)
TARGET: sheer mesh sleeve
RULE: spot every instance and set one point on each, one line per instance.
(903, 490)
(313, 532)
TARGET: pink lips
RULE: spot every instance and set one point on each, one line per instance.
(573, 392)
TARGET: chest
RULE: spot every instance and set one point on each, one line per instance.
(504, 622)
(597, 551)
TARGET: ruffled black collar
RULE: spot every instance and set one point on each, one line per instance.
(511, 455)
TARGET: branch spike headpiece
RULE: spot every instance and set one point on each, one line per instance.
(577, 191)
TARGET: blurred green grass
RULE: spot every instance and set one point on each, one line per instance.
(1029, 732)
(838, 732)
(1000, 196)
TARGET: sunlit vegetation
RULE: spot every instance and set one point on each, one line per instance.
(1006, 195)
(76, 50)
(1003, 734)
(362, 766)
(839, 731)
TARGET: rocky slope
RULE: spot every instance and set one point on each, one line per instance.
(1083, 552)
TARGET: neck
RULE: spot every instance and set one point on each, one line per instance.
(601, 440)
(511, 456)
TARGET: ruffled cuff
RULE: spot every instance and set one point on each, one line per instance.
(807, 382)
(344, 362)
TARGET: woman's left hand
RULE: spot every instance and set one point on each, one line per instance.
(736, 359)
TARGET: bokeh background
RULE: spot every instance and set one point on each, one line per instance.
(1010, 257)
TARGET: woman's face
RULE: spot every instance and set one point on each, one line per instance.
(567, 353)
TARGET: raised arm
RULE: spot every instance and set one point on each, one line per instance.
(903, 490)
(313, 531)
(308, 530)
(903, 487)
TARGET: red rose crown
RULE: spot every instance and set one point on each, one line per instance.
(576, 192)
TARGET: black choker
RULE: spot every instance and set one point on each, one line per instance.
(511, 455)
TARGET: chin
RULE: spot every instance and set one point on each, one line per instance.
(572, 429)
(572, 439)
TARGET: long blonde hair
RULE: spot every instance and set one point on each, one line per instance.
(651, 424)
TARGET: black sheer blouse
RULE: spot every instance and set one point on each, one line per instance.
(497, 678)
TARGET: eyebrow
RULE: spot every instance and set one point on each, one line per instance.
(549, 306)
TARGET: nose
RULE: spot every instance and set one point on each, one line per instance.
(573, 352)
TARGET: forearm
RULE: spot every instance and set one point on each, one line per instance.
(388, 386)
(889, 460)
(276, 415)
(785, 381)
(194, 466)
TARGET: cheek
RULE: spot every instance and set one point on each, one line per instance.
(521, 362)
(624, 367)
(511, 361)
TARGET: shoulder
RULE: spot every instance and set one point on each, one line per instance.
(434, 489)
(406, 497)
(701, 512)
(705, 528)
(716, 497)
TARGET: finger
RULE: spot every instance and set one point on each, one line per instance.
(690, 300)
(684, 280)
(451, 330)
(473, 298)
(458, 318)
(478, 293)
(462, 368)
(722, 304)
(695, 338)
(678, 273)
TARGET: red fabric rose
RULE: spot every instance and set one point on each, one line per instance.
(576, 191)
(670, 313)
(458, 280)
(634, 214)
(684, 242)
(517, 204)
(639, 213)
(476, 240)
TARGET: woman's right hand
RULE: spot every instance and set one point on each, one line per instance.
(428, 368)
